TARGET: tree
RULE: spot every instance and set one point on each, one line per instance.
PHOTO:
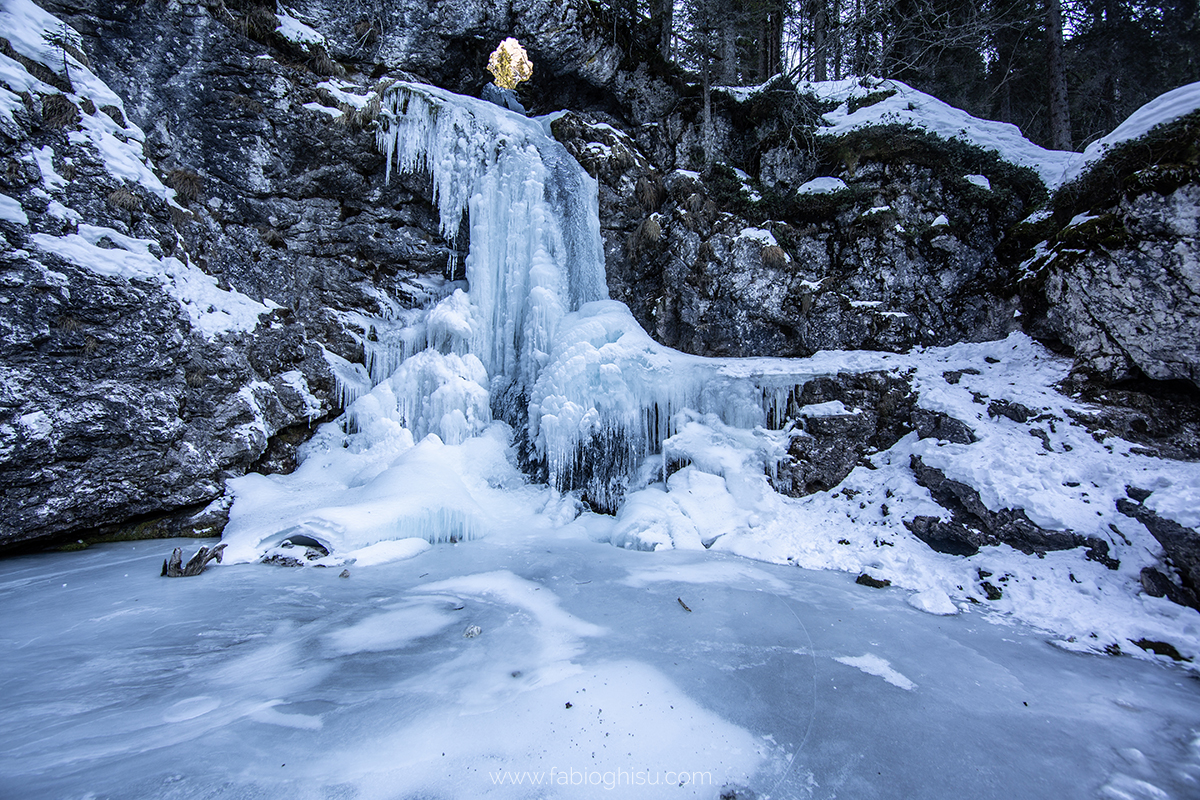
(662, 27)
(1056, 83)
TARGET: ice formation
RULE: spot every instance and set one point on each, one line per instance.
(535, 339)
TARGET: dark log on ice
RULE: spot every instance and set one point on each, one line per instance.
(174, 567)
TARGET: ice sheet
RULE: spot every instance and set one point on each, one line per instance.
(588, 678)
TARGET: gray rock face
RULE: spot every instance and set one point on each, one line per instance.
(1180, 544)
(115, 411)
(974, 525)
(878, 409)
(1122, 289)
(905, 256)
(445, 43)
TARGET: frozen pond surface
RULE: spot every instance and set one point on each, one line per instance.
(253, 681)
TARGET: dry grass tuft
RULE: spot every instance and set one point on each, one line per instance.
(125, 200)
(324, 65)
(650, 192)
(365, 33)
(187, 184)
(59, 112)
(260, 23)
(647, 235)
(774, 257)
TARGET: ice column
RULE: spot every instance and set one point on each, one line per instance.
(534, 250)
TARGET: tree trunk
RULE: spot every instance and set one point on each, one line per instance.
(708, 126)
(819, 50)
(775, 22)
(662, 13)
(1060, 111)
(837, 41)
(729, 61)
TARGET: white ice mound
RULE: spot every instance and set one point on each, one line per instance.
(347, 502)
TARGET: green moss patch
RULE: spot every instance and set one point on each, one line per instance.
(867, 100)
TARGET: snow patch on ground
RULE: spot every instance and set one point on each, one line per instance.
(296, 31)
(879, 667)
(822, 186)
(12, 211)
(979, 180)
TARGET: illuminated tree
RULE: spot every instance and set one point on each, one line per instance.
(510, 64)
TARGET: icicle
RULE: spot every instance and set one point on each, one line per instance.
(534, 250)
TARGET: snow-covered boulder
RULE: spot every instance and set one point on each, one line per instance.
(1116, 277)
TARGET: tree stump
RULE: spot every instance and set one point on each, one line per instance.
(174, 567)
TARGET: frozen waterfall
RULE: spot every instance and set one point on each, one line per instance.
(599, 393)
(595, 404)
(527, 366)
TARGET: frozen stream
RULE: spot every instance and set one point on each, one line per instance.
(267, 682)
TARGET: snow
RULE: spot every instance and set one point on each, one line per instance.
(915, 109)
(979, 180)
(338, 90)
(1164, 109)
(296, 31)
(833, 408)
(933, 601)
(763, 237)
(57, 209)
(299, 384)
(874, 665)
(44, 156)
(212, 310)
(12, 211)
(747, 187)
(940, 221)
(390, 550)
(822, 186)
(333, 113)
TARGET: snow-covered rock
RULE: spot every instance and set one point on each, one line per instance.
(1117, 275)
